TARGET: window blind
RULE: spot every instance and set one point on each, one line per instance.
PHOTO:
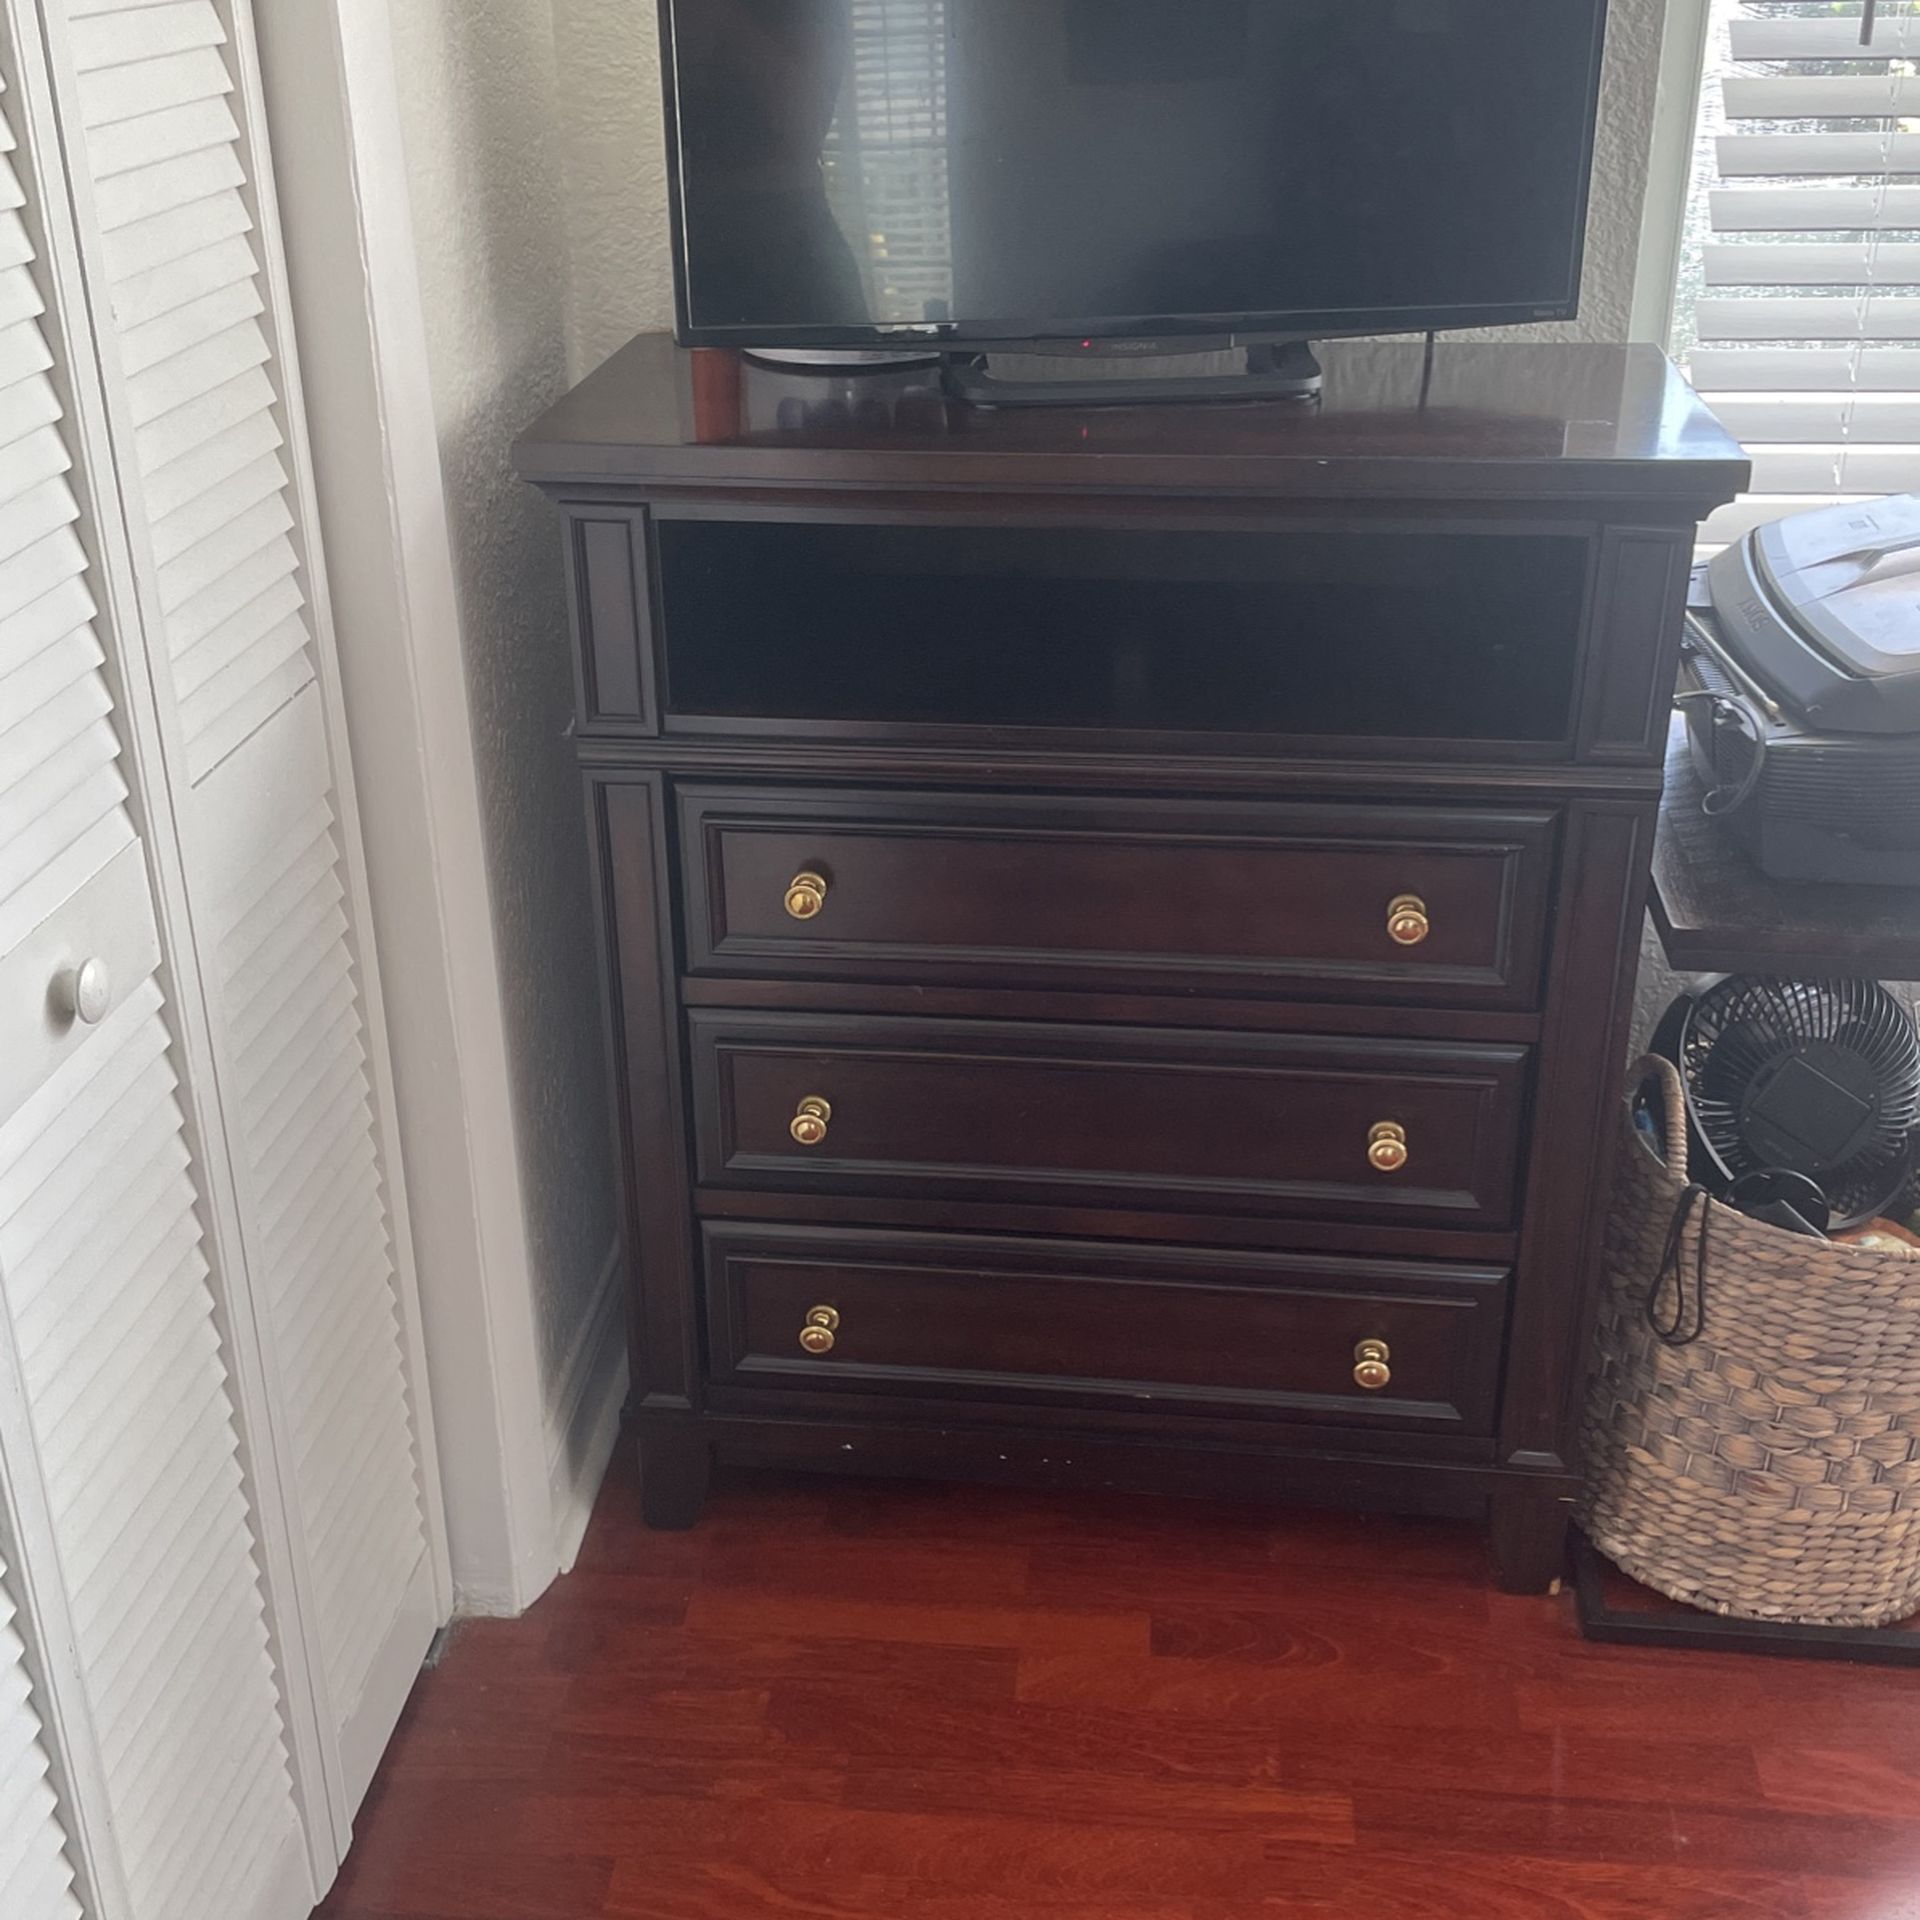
(1799, 303)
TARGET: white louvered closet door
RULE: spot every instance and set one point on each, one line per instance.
(118, 1403)
(176, 209)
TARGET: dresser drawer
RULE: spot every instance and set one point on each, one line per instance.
(1278, 1334)
(1101, 1116)
(1432, 905)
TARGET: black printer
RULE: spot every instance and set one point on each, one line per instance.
(1801, 686)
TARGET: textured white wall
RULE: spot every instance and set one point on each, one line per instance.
(615, 154)
(481, 104)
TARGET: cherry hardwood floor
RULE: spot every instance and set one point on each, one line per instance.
(852, 1701)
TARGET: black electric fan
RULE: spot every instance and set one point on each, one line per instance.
(1817, 1077)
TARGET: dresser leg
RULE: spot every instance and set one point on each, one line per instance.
(1528, 1532)
(674, 1469)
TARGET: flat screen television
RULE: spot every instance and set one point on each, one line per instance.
(970, 174)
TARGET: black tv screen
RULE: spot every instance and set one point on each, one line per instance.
(966, 172)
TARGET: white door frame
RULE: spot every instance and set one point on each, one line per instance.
(333, 111)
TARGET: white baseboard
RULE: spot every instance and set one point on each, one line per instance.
(583, 1419)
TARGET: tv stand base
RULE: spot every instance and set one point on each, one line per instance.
(1272, 373)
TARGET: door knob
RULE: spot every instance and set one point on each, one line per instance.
(1407, 921)
(816, 1337)
(809, 1123)
(83, 993)
(1387, 1147)
(1370, 1369)
(806, 896)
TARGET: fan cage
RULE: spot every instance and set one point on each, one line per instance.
(1746, 1026)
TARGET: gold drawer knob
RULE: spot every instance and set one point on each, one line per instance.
(817, 1335)
(809, 1123)
(1370, 1369)
(806, 896)
(1387, 1147)
(1407, 920)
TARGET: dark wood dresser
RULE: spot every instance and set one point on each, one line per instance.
(1118, 927)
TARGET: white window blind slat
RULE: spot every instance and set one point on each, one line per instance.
(1844, 317)
(1815, 209)
(1793, 155)
(1811, 263)
(1890, 420)
(1806, 369)
(1825, 37)
(1800, 289)
(1825, 96)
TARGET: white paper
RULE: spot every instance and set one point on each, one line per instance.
(1854, 530)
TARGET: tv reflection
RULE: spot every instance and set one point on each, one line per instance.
(765, 81)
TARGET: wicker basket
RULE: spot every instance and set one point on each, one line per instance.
(1753, 1427)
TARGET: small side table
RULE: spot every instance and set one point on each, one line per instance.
(1716, 912)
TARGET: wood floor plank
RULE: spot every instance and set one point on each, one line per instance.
(1088, 1631)
(837, 1701)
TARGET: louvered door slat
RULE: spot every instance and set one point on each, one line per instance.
(307, 899)
(25, 407)
(171, 80)
(36, 1877)
(177, 383)
(36, 571)
(148, 348)
(166, 186)
(90, 1375)
(125, 35)
(165, 135)
(219, 554)
(223, 1611)
(30, 629)
(341, 1239)
(186, 477)
(192, 1525)
(23, 348)
(275, 608)
(200, 520)
(293, 1012)
(334, 1087)
(31, 464)
(208, 249)
(248, 575)
(35, 680)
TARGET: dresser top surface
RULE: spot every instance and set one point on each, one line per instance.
(1517, 421)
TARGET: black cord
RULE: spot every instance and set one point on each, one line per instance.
(1426, 370)
(1675, 1332)
(1731, 711)
(1866, 23)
